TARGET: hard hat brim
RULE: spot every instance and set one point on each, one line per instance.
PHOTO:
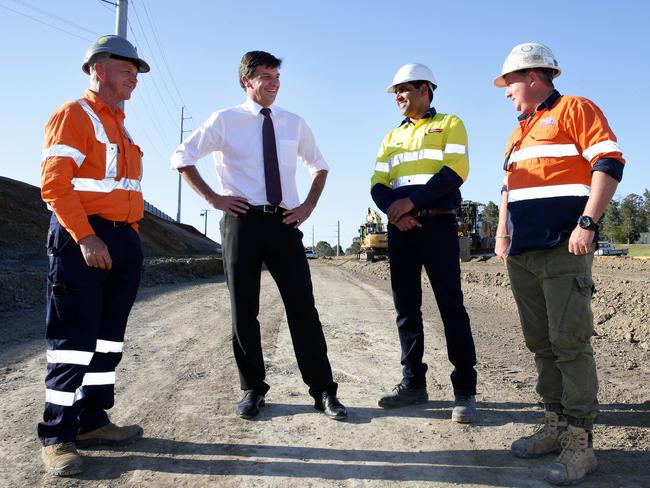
(141, 64)
(391, 88)
(500, 81)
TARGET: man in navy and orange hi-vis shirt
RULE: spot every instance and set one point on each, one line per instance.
(90, 179)
(562, 166)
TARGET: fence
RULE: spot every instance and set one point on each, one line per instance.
(158, 213)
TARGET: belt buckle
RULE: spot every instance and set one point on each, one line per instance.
(271, 209)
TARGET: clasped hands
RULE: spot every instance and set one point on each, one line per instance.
(399, 214)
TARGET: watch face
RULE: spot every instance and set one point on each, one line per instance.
(584, 222)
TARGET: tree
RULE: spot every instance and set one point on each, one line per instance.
(324, 249)
(612, 226)
(354, 248)
(632, 217)
(646, 209)
(491, 216)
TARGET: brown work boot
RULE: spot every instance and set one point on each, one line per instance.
(544, 440)
(576, 460)
(110, 435)
(62, 459)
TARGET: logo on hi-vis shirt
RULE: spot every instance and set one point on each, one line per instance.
(434, 130)
(548, 121)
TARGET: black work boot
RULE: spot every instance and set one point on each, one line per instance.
(401, 396)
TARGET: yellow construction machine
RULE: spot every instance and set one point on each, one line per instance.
(372, 239)
(475, 236)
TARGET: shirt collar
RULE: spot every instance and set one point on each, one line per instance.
(546, 104)
(100, 105)
(428, 114)
(254, 107)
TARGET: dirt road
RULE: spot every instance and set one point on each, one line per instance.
(178, 379)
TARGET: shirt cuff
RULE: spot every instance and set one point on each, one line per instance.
(612, 167)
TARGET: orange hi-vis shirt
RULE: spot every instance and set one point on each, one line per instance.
(550, 158)
(90, 166)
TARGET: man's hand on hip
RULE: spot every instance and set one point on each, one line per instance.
(298, 215)
(95, 252)
(229, 204)
(581, 241)
(399, 208)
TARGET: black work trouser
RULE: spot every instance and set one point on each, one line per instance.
(249, 241)
(87, 312)
(434, 246)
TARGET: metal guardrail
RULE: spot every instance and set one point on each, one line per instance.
(157, 212)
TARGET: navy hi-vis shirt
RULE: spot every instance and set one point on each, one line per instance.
(426, 161)
(548, 175)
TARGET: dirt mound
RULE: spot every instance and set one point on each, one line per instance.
(24, 220)
(173, 252)
(621, 304)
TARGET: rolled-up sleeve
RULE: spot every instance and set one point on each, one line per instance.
(309, 152)
(203, 141)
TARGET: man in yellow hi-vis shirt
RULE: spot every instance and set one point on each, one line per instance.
(420, 166)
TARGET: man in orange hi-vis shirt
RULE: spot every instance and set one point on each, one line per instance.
(90, 179)
(562, 166)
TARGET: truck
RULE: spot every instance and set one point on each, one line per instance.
(606, 248)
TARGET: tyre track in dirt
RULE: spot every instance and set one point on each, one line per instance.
(179, 379)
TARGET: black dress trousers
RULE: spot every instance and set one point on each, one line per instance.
(257, 238)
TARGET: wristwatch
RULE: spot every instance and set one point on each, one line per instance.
(586, 222)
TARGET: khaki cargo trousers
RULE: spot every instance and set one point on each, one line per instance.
(553, 290)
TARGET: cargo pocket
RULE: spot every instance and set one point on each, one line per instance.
(62, 306)
(577, 318)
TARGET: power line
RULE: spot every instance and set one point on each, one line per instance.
(162, 52)
(165, 85)
(45, 23)
(154, 146)
(50, 14)
(146, 39)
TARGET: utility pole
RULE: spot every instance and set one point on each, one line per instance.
(338, 236)
(121, 16)
(204, 213)
(183, 119)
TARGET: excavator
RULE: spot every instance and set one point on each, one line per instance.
(373, 238)
(475, 235)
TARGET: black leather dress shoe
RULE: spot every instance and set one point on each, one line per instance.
(330, 406)
(250, 405)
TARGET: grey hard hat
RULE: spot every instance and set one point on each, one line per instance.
(117, 47)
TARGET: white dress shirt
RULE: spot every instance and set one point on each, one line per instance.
(234, 136)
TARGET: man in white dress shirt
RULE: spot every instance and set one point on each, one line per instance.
(255, 147)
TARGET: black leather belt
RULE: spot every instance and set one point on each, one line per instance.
(270, 209)
(434, 212)
(114, 223)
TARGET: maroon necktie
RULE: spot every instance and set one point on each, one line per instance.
(271, 168)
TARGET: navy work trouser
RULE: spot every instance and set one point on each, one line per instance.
(434, 246)
(87, 311)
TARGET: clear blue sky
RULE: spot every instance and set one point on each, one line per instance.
(339, 56)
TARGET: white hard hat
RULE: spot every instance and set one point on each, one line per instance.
(412, 72)
(526, 56)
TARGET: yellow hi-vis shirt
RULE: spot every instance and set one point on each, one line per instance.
(412, 153)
